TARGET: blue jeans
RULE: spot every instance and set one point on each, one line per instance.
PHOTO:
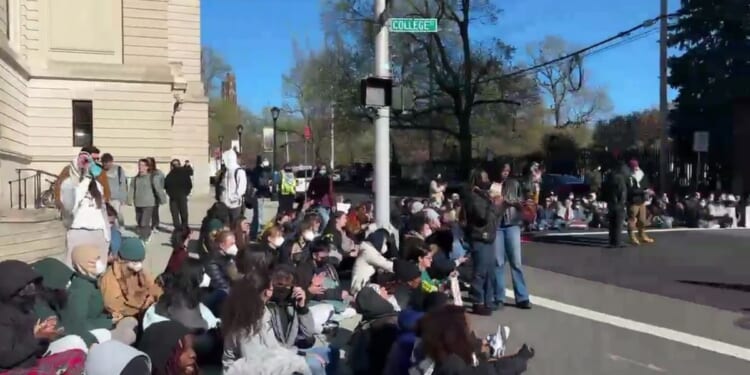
(508, 247)
(325, 215)
(457, 247)
(328, 354)
(483, 281)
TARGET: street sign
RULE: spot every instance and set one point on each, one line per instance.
(700, 141)
(413, 25)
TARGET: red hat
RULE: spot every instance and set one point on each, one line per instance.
(633, 163)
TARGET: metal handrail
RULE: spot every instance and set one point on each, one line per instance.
(22, 188)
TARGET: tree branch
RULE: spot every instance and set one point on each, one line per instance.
(495, 101)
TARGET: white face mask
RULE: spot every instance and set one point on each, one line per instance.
(308, 235)
(231, 251)
(135, 266)
(205, 282)
(278, 241)
(100, 267)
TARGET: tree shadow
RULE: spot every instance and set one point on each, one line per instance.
(586, 241)
(718, 285)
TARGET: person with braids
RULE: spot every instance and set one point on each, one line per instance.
(83, 207)
(250, 345)
(169, 344)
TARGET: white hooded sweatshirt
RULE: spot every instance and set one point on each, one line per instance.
(234, 182)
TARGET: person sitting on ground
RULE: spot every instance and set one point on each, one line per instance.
(370, 259)
(116, 358)
(218, 212)
(299, 246)
(179, 241)
(127, 288)
(242, 233)
(293, 323)
(84, 311)
(169, 344)
(272, 241)
(419, 231)
(250, 346)
(422, 257)
(406, 287)
(221, 268)
(321, 280)
(25, 341)
(372, 339)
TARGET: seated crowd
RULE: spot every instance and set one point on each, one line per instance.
(257, 305)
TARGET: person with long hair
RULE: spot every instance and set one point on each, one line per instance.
(145, 194)
(482, 219)
(449, 343)
(250, 345)
(169, 344)
(83, 201)
(242, 232)
(179, 241)
(221, 268)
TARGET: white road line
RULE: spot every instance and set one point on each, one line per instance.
(598, 233)
(645, 328)
(649, 366)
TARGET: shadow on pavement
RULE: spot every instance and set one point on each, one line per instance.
(572, 239)
(726, 286)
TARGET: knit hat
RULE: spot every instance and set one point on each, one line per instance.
(214, 225)
(633, 163)
(55, 274)
(405, 271)
(416, 207)
(159, 341)
(132, 249)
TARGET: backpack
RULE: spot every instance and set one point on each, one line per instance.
(249, 192)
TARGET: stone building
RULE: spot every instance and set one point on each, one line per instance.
(121, 74)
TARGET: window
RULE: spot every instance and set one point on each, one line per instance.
(83, 123)
(4, 16)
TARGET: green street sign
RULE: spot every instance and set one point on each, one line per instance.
(413, 25)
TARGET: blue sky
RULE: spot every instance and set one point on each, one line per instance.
(255, 36)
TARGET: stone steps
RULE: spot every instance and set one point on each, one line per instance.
(29, 235)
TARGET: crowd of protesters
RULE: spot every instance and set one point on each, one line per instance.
(260, 299)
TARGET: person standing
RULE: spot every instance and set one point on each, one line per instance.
(320, 192)
(508, 241)
(638, 193)
(178, 185)
(288, 190)
(482, 217)
(233, 185)
(158, 182)
(144, 195)
(616, 189)
(75, 167)
(118, 185)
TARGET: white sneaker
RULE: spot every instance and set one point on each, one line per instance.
(498, 341)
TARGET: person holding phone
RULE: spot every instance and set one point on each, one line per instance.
(74, 168)
(84, 206)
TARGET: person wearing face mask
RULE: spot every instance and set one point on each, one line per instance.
(84, 206)
(320, 191)
(321, 280)
(417, 236)
(272, 241)
(287, 190)
(222, 269)
(26, 343)
(70, 176)
(127, 288)
(370, 260)
(300, 244)
(84, 311)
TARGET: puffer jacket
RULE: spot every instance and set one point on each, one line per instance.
(219, 268)
(18, 346)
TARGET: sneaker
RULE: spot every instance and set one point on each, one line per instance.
(498, 341)
(482, 310)
(524, 305)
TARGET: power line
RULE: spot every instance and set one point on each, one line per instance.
(645, 24)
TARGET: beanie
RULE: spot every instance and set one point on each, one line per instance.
(214, 225)
(132, 249)
(405, 271)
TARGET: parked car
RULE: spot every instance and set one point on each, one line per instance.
(303, 177)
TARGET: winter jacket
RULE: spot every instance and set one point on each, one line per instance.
(119, 298)
(366, 265)
(178, 184)
(638, 184)
(69, 174)
(301, 325)
(146, 190)
(218, 269)
(85, 309)
(482, 216)
(18, 346)
(399, 358)
(372, 339)
(616, 187)
(261, 353)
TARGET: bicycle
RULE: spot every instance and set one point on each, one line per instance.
(47, 198)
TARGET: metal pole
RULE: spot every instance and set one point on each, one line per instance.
(382, 139)
(663, 103)
(430, 136)
(286, 139)
(333, 119)
(273, 163)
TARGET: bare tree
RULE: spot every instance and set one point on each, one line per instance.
(213, 69)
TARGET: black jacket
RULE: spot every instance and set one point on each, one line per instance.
(482, 216)
(616, 188)
(637, 189)
(307, 269)
(217, 268)
(18, 346)
(178, 184)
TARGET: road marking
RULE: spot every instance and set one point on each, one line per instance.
(645, 328)
(598, 233)
(649, 366)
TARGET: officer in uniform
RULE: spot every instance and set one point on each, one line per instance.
(288, 190)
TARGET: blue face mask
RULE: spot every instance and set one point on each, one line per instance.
(95, 169)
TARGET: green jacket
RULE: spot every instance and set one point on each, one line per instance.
(85, 309)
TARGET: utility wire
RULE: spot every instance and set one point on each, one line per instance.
(646, 24)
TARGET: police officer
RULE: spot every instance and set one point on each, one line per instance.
(288, 190)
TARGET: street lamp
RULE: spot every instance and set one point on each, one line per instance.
(239, 138)
(275, 111)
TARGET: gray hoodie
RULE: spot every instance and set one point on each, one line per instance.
(111, 357)
(145, 189)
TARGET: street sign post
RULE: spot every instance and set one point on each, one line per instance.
(413, 25)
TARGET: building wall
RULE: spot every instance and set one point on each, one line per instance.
(138, 61)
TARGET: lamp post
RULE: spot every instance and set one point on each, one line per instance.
(275, 111)
(239, 138)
